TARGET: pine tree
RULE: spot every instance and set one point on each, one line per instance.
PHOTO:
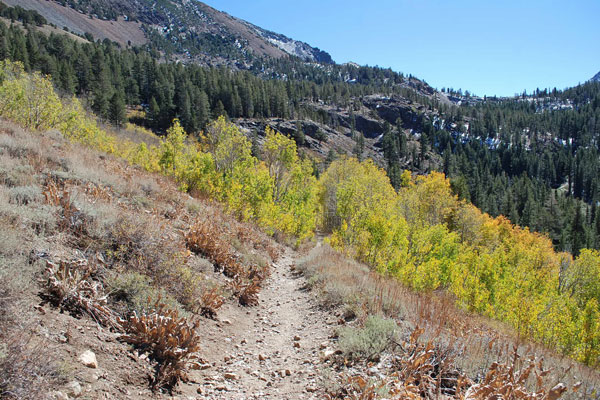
(359, 148)
(117, 114)
(577, 231)
(67, 78)
(219, 110)
(299, 136)
(101, 103)
(153, 113)
(202, 110)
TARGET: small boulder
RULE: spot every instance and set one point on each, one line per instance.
(74, 389)
(199, 366)
(325, 354)
(230, 375)
(59, 396)
(88, 358)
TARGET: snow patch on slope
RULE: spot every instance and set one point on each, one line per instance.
(294, 48)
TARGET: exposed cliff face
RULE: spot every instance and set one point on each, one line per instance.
(294, 47)
(397, 111)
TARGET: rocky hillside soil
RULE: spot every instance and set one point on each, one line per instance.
(122, 233)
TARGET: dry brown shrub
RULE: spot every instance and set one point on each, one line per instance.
(210, 302)
(356, 388)
(52, 193)
(249, 234)
(249, 293)
(98, 192)
(247, 284)
(68, 284)
(70, 217)
(425, 370)
(235, 286)
(258, 273)
(169, 340)
(27, 369)
(232, 268)
(509, 381)
(205, 239)
(146, 245)
(134, 243)
(453, 346)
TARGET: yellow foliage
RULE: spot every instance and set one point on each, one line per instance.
(28, 99)
(422, 235)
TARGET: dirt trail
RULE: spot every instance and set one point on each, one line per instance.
(266, 352)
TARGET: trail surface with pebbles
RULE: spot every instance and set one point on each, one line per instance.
(271, 351)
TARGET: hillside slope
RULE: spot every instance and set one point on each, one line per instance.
(120, 31)
(189, 29)
(91, 237)
(122, 212)
(508, 156)
(303, 338)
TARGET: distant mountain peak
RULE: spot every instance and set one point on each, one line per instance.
(187, 29)
(596, 78)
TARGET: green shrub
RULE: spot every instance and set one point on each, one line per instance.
(136, 292)
(23, 195)
(369, 341)
(15, 175)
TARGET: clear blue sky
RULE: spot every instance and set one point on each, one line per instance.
(487, 47)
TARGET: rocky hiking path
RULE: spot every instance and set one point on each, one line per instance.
(271, 351)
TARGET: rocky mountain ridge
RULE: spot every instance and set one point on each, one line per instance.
(189, 29)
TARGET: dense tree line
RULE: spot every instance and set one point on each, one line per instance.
(111, 77)
(524, 158)
(18, 13)
(515, 157)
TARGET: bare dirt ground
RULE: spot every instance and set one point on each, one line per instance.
(266, 352)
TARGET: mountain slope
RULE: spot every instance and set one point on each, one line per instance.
(188, 29)
(507, 156)
(596, 78)
(108, 224)
(120, 31)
